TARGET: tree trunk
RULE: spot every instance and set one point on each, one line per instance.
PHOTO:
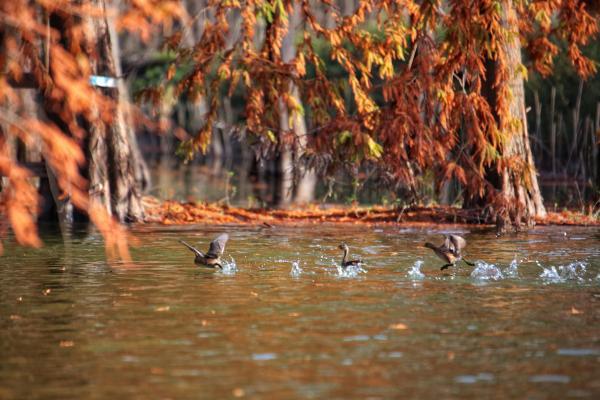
(291, 168)
(97, 155)
(284, 181)
(306, 179)
(116, 139)
(523, 189)
(520, 198)
(140, 168)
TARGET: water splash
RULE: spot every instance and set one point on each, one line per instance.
(351, 271)
(229, 267)
(296, 271)
(550, 275)
(512, 271)
(415, 271)
(574, 271)
(486, 272)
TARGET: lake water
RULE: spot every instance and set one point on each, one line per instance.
(281, 321)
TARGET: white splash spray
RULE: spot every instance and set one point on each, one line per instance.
(229, 267)
(296, 271)
(574, 271)
(414, 272)
(486, 272)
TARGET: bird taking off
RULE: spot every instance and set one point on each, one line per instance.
(450, 251)
(212, 258)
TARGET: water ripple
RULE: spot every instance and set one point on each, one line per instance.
(578, 352)
(549, 379)
(264, 356)
(470, 379)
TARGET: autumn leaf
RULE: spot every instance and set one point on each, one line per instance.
(375, 149)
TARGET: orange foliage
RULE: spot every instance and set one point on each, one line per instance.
(59, 63)
(176, 213)
(433, 115)
(19, 200)
(427, 60)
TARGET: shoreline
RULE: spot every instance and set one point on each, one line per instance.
(172, 212)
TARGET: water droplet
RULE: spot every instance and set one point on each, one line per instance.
(351, 271)
(485, 272)
(415, 271)
(570, 272)
(296, 271)
(512, 271)
(229, 267)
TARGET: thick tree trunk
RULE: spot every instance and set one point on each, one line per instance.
(97, 155)
(519, 187)
(116, 139)
(520, 198)
(140, 168)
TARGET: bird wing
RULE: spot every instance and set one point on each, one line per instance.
(447, 245)
(457, 242)
(192, 248)
(217, 246)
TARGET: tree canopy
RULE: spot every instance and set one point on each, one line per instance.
(398, 84)
(401, 85)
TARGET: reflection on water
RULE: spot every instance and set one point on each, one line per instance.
(280, 321)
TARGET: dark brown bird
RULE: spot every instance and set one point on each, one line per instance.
(345, 262)
(212, 258)
(450, 250)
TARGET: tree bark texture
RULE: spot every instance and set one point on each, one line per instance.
(520, 197)
(521, 187)
(114, 158)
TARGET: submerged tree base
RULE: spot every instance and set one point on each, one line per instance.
(176, 213)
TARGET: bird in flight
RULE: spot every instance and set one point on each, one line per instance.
(212, 258)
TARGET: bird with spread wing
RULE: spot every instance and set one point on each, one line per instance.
(450, 251)
(212, 258)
